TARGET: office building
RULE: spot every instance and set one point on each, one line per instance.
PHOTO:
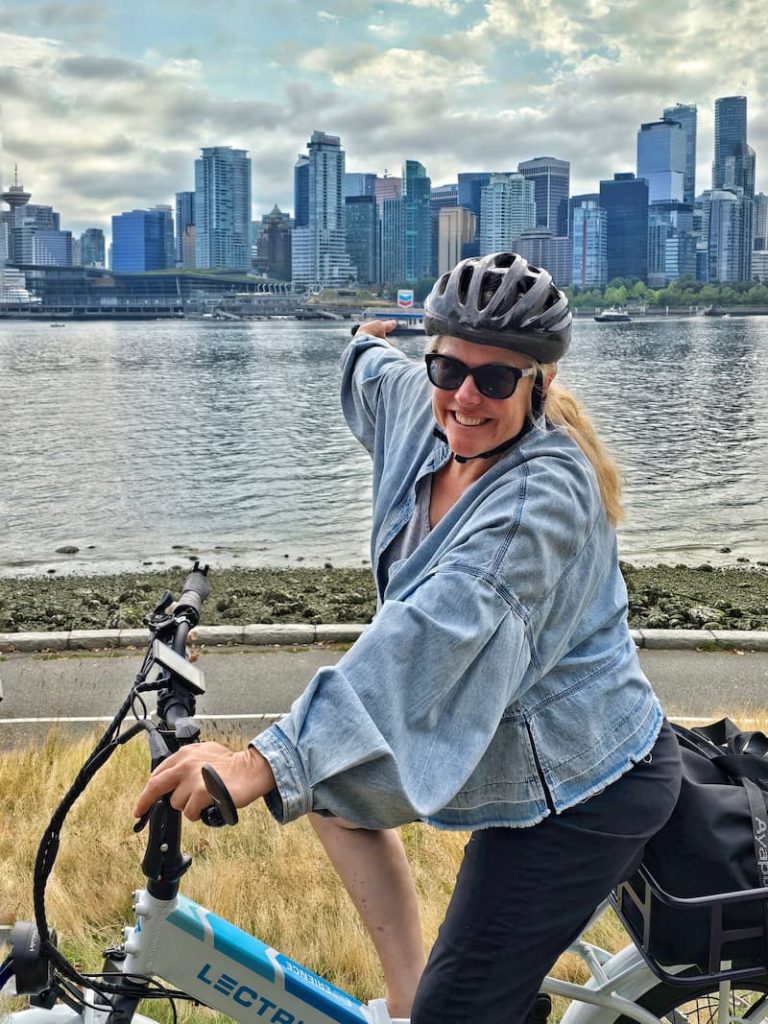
(185, 230)
(729, 235)
(543, 249)
(686, 116)
(52, 249)
(661, 160)
(140, 241)
(387, 187)
(471, 185)
(589, 243)
(760, 222)
(551, 179)
(359, 185)
(418, 225)
(223, 209)
(625, 201)
(442, 197)
(319, 256)
(92, 248)
(457, 227)
(274, 244)
(734, 164)
(574, 202)
(363, 245)
(392, 241)
(760, 265)
(27, 220)
(301, 192)
(671, 242)
(507, 208)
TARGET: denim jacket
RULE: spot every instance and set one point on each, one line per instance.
(498, 681)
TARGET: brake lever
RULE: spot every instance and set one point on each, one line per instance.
(223, 810)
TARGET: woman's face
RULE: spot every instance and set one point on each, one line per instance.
(473, 423)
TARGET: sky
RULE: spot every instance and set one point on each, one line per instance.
(104, 106)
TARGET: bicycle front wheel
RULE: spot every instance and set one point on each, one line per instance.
(745, 1001)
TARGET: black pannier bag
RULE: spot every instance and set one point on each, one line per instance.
(715, 843)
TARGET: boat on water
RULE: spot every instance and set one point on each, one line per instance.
(713, 311)
(613, 315)
(409, 321)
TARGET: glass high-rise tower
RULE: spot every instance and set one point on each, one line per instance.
(223, 208)
(551, 178)
(417, 242)
(319, 257)
(734, 163)
(685, 115)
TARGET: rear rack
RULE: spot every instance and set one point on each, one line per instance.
(692, 941)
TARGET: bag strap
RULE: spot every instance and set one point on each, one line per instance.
(759, 828)
(742, 766)
(734, 740)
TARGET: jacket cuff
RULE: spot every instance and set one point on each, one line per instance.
(292, 796)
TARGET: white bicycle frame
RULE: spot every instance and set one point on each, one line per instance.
(225, 968)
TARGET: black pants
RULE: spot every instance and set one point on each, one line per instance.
(524, 894)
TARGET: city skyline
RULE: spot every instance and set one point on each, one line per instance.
(105, 107)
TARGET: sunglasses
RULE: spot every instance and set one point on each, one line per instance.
(494, 380)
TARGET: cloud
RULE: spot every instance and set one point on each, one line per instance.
(394, 71)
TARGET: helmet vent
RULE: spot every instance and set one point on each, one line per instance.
(464, 282)
(489, 287)
(504, 259)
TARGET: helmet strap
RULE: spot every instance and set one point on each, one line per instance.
(537, 395)
(503, 447)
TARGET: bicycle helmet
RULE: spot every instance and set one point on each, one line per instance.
(501, 300)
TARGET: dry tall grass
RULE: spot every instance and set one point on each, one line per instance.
(271, 881)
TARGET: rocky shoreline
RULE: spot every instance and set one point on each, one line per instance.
(660, 597)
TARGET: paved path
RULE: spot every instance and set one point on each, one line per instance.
(245, 683)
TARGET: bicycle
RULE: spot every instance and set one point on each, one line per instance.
(178, 950)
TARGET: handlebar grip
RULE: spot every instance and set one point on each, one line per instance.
(194, 592)
(223, 804)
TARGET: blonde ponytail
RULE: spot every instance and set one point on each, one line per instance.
(564, 410)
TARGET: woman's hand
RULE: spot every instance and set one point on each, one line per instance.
(378, 328)
(246, 774)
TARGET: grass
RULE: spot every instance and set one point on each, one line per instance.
(271, 881)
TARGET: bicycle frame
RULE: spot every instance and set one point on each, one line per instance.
(229, 970)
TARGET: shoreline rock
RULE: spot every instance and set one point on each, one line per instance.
(660, 597)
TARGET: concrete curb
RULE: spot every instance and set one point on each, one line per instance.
(302, 634)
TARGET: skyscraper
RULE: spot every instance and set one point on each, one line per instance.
(685, 115)
(729, 235)
(589, 237)
(357, 184)
(140, 241)
(661, 160)
(185, 229)
(92, 248)
(507, 208)
(625, 201)
(363, 236)
(734, 163)
(417, 222)
(319, 257)
(392, 241)
(457, 227)
(471, 185)
(274, 244)
(223, 208)
(441, 197)
(551, 178)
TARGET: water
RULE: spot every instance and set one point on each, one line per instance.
(146, 443)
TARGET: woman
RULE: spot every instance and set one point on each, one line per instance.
(497, 689)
